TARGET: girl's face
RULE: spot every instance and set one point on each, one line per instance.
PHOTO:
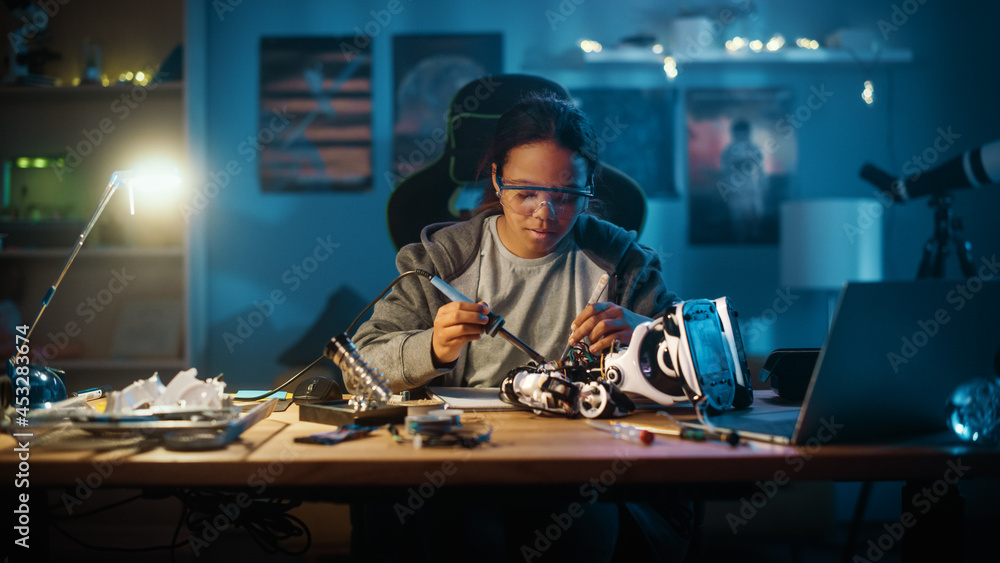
(535, 221)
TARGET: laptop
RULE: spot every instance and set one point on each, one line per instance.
(894, 354)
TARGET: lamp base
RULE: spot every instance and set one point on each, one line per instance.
(41, 385)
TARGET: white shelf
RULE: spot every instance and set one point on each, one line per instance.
(715, 56)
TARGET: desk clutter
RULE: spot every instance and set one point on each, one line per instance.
(186, 414)
(421, 427)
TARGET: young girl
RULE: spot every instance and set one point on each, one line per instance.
(531, 254)
(535, 257)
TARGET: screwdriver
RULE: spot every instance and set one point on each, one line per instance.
(624, 432)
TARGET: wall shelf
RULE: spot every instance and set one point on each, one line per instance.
(716, 56)
(87, 92)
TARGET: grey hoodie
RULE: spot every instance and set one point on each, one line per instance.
(397, 338)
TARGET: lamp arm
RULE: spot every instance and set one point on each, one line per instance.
(105, 198)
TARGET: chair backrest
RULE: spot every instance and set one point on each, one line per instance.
(428, 195)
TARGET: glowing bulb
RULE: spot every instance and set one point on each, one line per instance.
(868, 94)
(39, 163)
(807, 43)
(670, 67)
(140, 77)
(736, 43)
(776, 42)
(24, 162)
(658, 49)
(756, 45)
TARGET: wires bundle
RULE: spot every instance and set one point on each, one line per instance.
(266, 519)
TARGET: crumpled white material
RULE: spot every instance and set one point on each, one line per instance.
(184, 390)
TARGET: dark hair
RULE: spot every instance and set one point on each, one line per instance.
(540, 116)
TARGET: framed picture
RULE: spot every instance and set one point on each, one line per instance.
(634, 130)
(427, 71)
(741, 154)
(315, 115)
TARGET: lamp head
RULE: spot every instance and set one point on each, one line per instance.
(148, 177)
(151, 177)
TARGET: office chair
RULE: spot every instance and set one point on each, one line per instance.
(427, 196)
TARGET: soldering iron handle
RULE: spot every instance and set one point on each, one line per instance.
(494, 321)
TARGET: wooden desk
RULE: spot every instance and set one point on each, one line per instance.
(524, 449)
(549, 454)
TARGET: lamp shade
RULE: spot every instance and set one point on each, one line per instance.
(826, 242)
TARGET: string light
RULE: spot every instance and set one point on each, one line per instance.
(756, 45)
(868, 94)
(670, 67)
(735, 44)
(807, 43)
(776, 42)
(589, 46)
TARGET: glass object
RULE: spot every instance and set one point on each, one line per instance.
(368, 387)
(528, 201)
(974, 411)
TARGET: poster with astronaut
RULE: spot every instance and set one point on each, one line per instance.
(742, 152)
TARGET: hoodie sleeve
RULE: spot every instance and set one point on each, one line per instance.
(642, 287)
(397, 337)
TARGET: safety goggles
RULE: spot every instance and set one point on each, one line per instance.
(527, 199)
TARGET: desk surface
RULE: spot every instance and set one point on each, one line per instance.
(525, 449)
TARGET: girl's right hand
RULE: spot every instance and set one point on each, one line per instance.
(456, 324)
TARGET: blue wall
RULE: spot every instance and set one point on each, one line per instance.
(245, 242)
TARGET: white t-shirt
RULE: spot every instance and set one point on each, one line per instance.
(537, 297)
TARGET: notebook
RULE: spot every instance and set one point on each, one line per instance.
(480, 399)
(894, 354)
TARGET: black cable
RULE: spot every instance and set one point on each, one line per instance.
(94, 511)
(115, 549)
(285, 384)
(424, 273)
(267, 533)
(350, 328)
(265, 520)
(177, 531)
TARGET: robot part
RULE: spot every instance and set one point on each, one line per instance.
(693, 353)
(546, 389)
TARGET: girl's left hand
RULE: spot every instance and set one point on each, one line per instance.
(604, 323)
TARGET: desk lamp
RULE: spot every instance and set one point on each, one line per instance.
(44, 384)
(827, 242)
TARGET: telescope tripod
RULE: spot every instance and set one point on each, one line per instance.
(938, 247)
